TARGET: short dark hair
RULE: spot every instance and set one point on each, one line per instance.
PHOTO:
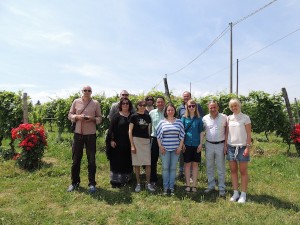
(149, 97)
(160, 96)
(122, 100)
(169, 105)
(139, 102)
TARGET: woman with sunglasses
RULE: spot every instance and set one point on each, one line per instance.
(118, 145)
(139, 135)
(193, 140)
(170, 136)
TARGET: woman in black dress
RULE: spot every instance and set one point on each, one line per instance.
(118, 145)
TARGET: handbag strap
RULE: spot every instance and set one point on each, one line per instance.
(187, 128)
(85, 106)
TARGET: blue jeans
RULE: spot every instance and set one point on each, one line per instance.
(169, 162)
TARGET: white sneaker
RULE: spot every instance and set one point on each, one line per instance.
(137, 188)
(242, 199)
(150, 188)
(234, 197)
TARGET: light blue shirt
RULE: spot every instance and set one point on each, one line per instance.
(156, 117)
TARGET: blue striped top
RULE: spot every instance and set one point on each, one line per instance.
(170, 134)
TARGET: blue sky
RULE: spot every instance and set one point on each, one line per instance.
(50, 49)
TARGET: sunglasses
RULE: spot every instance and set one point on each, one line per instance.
(87, 90)
(192, 106)
(125, 103)
(144, 105)
(125, 94)
(149, 99)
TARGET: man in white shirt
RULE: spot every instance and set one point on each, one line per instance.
(215, 127)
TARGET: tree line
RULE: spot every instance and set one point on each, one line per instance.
(267, 112)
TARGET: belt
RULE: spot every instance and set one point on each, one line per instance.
(216, 142)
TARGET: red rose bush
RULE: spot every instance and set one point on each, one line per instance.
(32, 140)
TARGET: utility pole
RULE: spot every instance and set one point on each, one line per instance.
(230, 82)
(237, 77)
(190, 87)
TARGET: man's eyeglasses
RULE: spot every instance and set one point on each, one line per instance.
(87, 90)
(149, 99)
(192, 106)
(125, 94)
(125, 103)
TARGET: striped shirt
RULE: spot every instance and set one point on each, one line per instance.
(156, 117)
(170, 134)
(215, 128)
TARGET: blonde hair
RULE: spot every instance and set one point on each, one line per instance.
(187, 112)
(234, 101)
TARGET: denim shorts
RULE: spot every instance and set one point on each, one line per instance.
(239, 157)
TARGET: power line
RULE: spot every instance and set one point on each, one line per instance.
(272, 43)
(206, 49)
(253, 13)
(216, 40)
(245, 58)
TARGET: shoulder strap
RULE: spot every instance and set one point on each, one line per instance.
(187, 128)
(86, 105)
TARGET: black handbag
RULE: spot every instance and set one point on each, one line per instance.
(73, 126)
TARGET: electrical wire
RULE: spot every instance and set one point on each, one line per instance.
(205, 50)
(253, 53)
(272, 43)
(253, 13)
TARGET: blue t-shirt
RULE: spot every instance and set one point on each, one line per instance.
(192, 134)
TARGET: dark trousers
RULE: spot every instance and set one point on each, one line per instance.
(154, 159)
(89, 142)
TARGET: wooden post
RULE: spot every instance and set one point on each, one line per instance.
(25, 108)
(297, 112)
(167, 93)
(288, 107)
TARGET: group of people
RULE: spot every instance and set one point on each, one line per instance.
(138, 135)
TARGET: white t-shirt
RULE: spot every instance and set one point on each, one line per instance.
(237, 135)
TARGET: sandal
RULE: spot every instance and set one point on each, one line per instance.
(187, 189)
(194, 189)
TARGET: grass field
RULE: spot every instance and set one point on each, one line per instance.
(40, 197)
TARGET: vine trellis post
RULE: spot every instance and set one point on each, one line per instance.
(25, 108)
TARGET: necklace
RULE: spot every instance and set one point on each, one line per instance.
(124, 114)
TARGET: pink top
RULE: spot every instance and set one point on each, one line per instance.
(92, 110)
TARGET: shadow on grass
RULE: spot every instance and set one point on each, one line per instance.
(276, 202)
(120, 195)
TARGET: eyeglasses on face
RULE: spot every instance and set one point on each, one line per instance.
(192, 106)
(144, 105)
(87, 90)
(125, 103)
(125, 94)
(149, 99)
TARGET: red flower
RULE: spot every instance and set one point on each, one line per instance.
(295, 134)
(30, 135)
(16, 156)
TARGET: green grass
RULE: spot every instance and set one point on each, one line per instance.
(40, 197)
